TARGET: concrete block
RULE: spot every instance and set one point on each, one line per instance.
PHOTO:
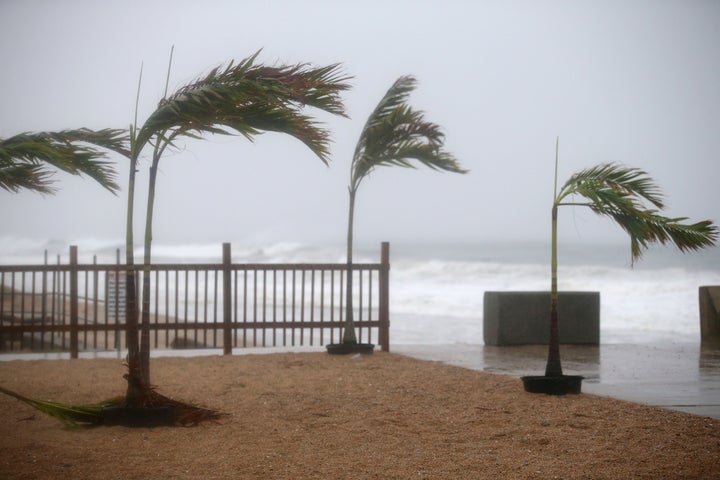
(710, 313)
(523, 318)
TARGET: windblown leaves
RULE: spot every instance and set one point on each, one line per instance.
(395, 135)
(25, 158)
(247, 99)
(623, 194)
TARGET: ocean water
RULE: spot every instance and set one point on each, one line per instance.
(655, 300)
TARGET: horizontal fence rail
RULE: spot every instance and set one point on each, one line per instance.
(81, 307)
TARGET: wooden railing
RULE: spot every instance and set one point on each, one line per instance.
(81, 307)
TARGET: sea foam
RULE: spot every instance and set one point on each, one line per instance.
(436, 291)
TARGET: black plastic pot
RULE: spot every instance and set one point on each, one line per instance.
(560, 385)
(346, 348)
(139, 417)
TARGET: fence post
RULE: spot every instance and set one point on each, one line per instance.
(43, 313)
(384, 300)
(227, 299)
(73, 302)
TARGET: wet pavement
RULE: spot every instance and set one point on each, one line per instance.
(678, 376)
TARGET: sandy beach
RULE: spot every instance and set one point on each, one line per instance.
(312, 415)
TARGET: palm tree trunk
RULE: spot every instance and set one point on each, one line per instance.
(349, 333)
(133, 394)
(554, 367)
(147, 260)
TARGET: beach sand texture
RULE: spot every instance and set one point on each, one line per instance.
(313, 415)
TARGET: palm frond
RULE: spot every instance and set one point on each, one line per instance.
(248, 99)
(396, 135)
(183, 414)
(648, 227)
(17, 176)
(606, 182)
(620, 193)
(113, 139)
(395, 98)
(71, 415)
(72, 151)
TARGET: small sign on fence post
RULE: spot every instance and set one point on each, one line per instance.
(116, 289)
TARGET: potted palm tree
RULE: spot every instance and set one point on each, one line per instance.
(629, 197)
(394, 135)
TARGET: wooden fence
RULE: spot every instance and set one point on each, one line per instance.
(73, 307)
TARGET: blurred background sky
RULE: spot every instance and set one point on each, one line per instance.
(635, 82)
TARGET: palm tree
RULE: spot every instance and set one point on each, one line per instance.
(25, 158)
(630, 198)
(241, 98)
(23, 164)
(394, 135)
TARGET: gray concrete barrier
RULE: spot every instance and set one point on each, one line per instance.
(523, 318)
(710, 313)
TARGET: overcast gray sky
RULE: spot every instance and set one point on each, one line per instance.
(635, 82)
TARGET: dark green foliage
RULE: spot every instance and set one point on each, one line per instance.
(247, 99)
(24, 158)
(395, 135)
(622, 193)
